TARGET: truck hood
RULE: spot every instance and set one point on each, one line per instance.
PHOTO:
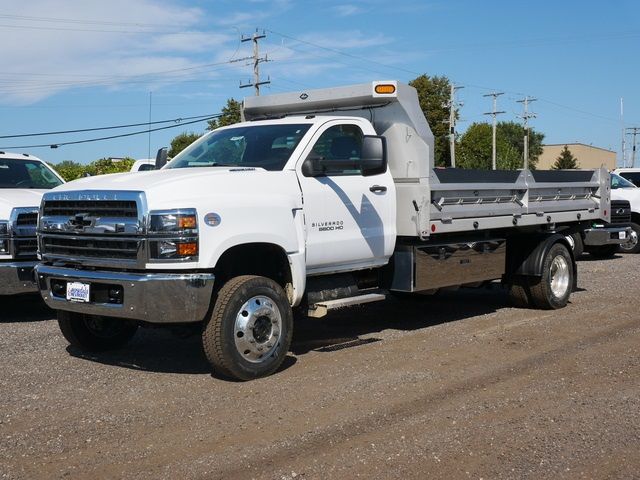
(185, 187)
(630, 194)
(18, 197)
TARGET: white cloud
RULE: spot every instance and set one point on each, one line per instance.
(100, 43)
(346, 10)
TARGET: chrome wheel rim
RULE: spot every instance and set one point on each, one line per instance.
(560, 276)
(257, 329)
(631, 244)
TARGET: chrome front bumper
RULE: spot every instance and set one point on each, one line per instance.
(150, 297)
(17, 277)
(607, 235)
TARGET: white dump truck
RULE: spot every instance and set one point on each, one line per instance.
(23, 180)
(318, 200)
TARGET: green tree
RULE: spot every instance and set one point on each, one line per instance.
(513, 133)
(433, 94)
(230, 115)
(475, 146)
(69, 170)
(182, 141)
(565, 161)
(105, 166)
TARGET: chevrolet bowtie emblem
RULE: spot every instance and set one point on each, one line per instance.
(80, 221)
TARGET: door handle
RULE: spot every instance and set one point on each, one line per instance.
(377, 188)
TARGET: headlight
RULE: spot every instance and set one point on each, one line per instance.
(173, 235)
(4, 237)
(174, 221)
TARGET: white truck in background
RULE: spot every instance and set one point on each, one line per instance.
(23, 180)
(624, 190)
(318, 200)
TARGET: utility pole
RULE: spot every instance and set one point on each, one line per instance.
(257, 60)
(453, 109)
(494, 113)
(149, 133)
(525, 118)
(633, 131)
(624, 149)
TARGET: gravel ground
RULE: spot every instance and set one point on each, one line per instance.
(458, 385)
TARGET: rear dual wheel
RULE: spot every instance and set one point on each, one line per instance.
(553, 288)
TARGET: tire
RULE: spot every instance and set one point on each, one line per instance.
(250, 328)
(603, 251)
(520, 294)
(92, 333)
(634, 244)
(553, 289)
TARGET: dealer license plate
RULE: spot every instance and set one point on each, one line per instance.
(78, 292)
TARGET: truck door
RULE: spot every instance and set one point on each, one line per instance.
(349, 218)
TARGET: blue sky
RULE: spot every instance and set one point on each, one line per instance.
(83, 64)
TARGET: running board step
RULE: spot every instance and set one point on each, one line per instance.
(320, 309)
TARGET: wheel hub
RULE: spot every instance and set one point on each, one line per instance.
(257, 329)
(633, 241)
(560, 276)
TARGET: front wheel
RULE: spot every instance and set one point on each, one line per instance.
(554, 287)
(93, 333)
(633, 245)
(250, 329)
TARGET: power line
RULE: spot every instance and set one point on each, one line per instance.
(90, 140)
(339, 52)
(87, 22)
(113, 127)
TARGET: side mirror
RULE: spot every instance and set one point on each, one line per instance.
(161, 157)
(312, 167)
(374, 155)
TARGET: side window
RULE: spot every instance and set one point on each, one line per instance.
(339, 149)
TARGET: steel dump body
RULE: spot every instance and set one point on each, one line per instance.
(433, 201)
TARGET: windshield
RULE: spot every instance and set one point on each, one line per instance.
(618, 182)
(262, 146)
(26, 174)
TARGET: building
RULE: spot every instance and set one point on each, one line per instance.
(587, 156)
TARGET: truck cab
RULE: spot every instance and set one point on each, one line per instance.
(23, 180)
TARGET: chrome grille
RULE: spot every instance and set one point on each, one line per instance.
(91, 208)
(22, 241)
(27, 219)
(93, 228)
(91, 247)
(620, 212)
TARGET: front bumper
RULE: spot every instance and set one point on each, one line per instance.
(609, 235)
(17, 277)
(150, 297)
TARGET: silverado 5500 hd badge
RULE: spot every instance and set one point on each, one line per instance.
(328, 226)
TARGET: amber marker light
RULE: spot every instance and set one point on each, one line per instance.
(187, 249)
(187, 222)
(385, 88)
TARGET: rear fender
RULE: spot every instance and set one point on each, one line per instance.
(526, 254)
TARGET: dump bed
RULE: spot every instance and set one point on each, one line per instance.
(432, 201)
(456, 200)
